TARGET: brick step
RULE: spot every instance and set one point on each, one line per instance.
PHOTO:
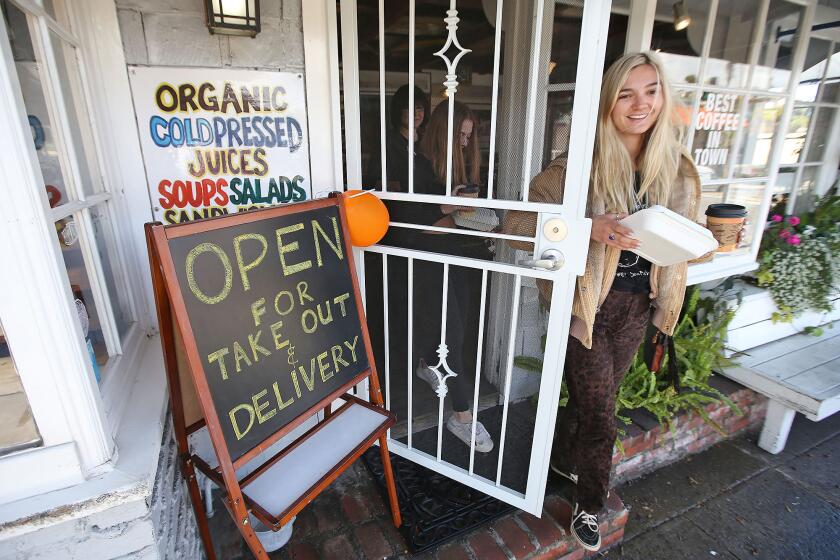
(524, 536)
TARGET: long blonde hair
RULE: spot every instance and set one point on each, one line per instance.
(659, 159)
(465, 162)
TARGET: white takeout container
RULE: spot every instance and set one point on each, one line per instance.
(666, 237)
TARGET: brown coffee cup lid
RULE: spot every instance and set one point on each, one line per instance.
(726, 211)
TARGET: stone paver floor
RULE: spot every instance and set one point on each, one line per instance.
(735, 501)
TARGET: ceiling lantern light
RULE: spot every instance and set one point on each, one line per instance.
(681, 17)
(233, 17)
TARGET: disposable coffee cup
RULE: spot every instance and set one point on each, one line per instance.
(725, 221)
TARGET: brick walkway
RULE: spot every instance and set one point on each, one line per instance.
(350, 521)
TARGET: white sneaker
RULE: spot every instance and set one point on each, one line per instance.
(463, 431)
(425, 373)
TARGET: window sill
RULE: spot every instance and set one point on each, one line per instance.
(131, 474)
(720, 267)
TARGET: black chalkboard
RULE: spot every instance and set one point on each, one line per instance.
(272, 307)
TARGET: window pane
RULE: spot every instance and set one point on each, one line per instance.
(763, 114)
(831, 91)
(558, 125)
(825, 121)
(776, 56)
(784, 180)
(806, 196)
(680, 50)
(17, 427)
(69, 82)
(34, 98)
(77, 271)
(716, 125)
(106, 246)
(795, 138)
(728, 61)
(812, 70)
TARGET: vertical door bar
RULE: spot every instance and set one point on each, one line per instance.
(493, 108)
(593, 45)
(442, 363)
(533, 93)
(410, 348)
(508, 373)
(387, 337)
(350, 70)
(383, 130)
(411, 22)
(478, 363)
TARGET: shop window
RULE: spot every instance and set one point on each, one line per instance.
(17, 427)
(50, 72)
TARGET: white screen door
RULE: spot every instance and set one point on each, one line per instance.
(456, 297)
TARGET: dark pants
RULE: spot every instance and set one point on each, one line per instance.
(586, 427)
(428, 285)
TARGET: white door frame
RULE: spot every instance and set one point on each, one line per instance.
(592, 48)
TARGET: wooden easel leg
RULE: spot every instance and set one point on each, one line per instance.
(247, 533)
(188, 471)
(389, 481)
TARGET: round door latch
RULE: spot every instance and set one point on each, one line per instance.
(555, 230)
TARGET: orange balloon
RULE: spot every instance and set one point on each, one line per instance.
(367, 217)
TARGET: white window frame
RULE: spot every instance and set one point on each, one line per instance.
(77, 419)
(639, 37)
(827, 167)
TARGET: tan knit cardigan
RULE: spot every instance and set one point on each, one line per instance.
(667, 283)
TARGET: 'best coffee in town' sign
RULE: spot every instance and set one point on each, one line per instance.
(221, 141)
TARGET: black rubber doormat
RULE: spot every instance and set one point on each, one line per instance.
(434, 508)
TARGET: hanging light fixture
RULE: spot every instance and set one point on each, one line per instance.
(233, 17)
(681, 17)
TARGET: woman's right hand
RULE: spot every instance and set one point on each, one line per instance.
(607, 230)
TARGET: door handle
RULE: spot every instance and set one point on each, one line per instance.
(552, 259)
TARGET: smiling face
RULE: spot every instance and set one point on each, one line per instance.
(639, 102)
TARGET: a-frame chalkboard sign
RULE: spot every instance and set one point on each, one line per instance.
(262, 327)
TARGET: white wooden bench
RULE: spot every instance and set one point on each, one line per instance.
(800, 373)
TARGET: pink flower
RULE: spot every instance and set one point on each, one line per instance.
(794, 240)
(793, 220)
(776, 218)
(784, 234)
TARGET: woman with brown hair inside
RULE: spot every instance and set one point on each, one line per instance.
(639, 160)
(431, 178)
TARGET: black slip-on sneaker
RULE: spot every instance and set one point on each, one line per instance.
(585, 529)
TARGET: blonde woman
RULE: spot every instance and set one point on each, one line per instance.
(638, 161)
